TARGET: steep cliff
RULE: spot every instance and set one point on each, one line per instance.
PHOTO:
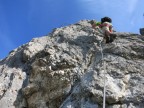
(65, 70)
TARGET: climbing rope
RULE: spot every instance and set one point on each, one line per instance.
(104, 67)
(104, 77)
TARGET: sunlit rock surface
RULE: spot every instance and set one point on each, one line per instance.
(65, 70)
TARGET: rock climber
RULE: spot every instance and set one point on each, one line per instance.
(106, 28)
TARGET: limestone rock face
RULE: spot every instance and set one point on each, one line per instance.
(65, 70)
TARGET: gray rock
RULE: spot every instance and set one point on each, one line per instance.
(65, 70)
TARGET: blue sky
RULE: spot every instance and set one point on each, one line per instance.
(22, 20)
